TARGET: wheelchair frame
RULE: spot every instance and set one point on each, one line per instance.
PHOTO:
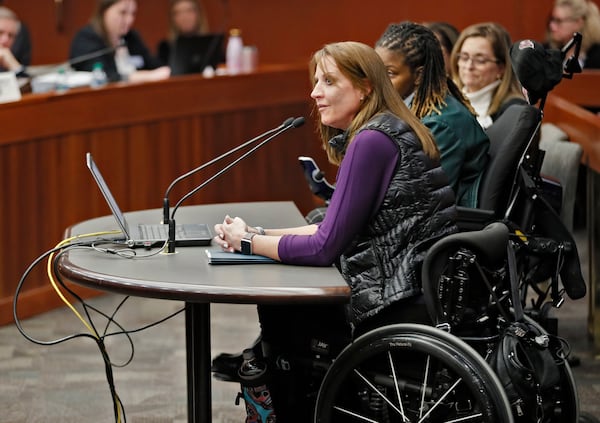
(419, 373)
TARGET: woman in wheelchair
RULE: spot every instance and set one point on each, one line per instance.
(391, 200)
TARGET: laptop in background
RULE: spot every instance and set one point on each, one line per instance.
(191, 54)
(149, 235)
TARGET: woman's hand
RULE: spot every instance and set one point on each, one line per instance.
(230, 233)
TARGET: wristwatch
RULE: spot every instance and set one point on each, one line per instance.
(247, 243)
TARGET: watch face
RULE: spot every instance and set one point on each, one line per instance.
(246, 246)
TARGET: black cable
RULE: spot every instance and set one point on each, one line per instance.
(16, 298)
(118, 408)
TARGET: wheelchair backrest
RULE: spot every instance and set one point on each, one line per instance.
(510, 135)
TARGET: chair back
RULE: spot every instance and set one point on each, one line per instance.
(510, 135)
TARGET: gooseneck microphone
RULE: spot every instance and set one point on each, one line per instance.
(286, 125)
(77, 59)
(166, 206)
(95, 54)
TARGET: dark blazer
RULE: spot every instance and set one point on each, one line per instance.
(87, 40)
(21, 47)
(463, 146)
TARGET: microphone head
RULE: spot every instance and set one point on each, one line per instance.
(299, 121)
(537, 69)
(287, 122)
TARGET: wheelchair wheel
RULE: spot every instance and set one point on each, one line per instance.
(411, 373)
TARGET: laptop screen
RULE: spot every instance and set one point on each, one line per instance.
(191, 54)
(116, 211)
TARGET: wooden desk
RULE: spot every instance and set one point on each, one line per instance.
(187, 276)
(142, 136)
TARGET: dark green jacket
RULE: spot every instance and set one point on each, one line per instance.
(463, 146)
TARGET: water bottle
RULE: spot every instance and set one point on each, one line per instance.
(62, 81)
(98, 76)
(256, 394)
(234, 52)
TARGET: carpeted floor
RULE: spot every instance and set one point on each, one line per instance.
(67, 383)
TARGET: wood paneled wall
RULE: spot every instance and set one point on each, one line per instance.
(283, 31)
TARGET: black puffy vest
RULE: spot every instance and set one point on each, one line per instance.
(383, 263)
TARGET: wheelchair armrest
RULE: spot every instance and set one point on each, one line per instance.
(470, 219)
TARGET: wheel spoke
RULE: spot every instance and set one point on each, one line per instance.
(373, 387)
(424, 387)
(438, 402)
(465, 418)
(353, 414)
(393, 368)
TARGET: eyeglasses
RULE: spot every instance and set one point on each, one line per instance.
(559, 21)
(477, 60)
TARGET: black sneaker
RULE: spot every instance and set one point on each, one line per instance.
(225, 366)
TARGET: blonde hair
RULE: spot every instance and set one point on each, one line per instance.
(500, 41)
(588, 11)
(366, 71)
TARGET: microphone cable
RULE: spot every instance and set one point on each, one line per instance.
(56, 280)
(118, 410)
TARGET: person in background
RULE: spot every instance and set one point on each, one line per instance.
(447, 34)
(9, 30)
(482, 70)
(389, 187)
(415, 63)
(22, 46)
(126, 57)
(570, 16)
(186, 18)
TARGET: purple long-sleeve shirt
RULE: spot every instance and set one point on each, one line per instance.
(362, 181)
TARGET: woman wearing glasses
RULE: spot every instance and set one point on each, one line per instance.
(481, 68)
(570, 16)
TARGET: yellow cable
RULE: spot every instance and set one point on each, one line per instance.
(55, 285)
(64, 299)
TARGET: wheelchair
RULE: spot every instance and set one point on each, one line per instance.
(512, 260)
(441, 373)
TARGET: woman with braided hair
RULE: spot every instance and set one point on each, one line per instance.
(415, 64)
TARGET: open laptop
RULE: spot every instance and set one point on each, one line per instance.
(191, 54)
(149, 235)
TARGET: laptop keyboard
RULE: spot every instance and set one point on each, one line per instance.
(181, 231)
(154, 231)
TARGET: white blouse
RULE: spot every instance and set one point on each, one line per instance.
(480, 100)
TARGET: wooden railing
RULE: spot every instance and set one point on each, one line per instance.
(142, 137)
(565, 109)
